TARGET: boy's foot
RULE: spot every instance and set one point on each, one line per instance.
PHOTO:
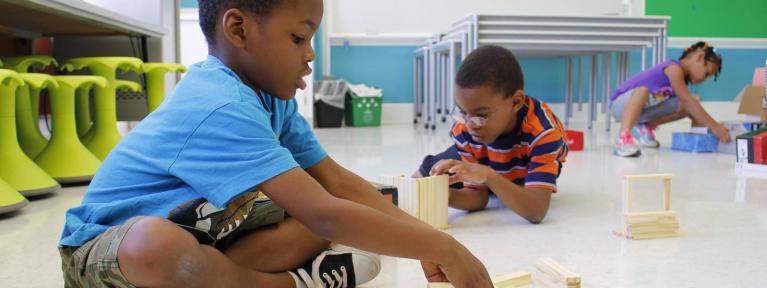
(645, 135)
(625, 147)
(338, 266)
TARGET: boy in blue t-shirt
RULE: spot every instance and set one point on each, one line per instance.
(174, 204)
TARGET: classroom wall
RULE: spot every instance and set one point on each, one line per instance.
(713, 18)
(692, 20)
(386, 60)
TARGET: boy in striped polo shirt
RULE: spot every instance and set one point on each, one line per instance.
(506, 142)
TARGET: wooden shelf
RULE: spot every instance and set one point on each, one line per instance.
(69, 17)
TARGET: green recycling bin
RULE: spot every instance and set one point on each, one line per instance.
(363, 111)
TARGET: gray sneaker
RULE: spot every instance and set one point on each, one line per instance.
(625, 147)
(338, 266)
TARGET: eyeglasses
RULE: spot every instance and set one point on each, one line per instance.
(475, 121)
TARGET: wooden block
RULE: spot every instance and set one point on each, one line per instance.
(654, 236)
(556, 273)
(513, 280)
(425, 198)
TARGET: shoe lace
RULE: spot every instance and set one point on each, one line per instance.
(338, 280)
(625, 138)
(648, 130)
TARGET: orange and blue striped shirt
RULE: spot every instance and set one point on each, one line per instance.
(530, 156)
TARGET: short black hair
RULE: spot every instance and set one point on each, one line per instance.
(491, 65)
(209, 10)
(710, 54)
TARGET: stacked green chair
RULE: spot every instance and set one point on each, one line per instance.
(65, 158)
(18, 170)
(103, 135)
(83, 109)
(155, 81)
(31, 139)
(10, 199)
(82, 104)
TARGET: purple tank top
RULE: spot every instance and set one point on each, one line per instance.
(654, 79)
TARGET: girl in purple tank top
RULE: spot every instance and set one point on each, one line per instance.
(660, 95)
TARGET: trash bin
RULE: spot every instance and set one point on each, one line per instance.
(329, 107)
(363, 106)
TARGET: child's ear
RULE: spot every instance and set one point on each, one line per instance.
(518, 100)
(233, 26)
(700, 56)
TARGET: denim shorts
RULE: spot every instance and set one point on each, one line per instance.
(654, 109)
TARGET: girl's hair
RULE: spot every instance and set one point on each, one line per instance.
(710, 55)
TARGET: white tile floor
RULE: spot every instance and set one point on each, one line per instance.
(723, 228)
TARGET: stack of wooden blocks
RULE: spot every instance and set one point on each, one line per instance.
(551, 274)
(652, 224)
(424, 198)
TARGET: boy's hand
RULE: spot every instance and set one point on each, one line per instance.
(432, 272)
(721, 133)
(462, 171)
(463, 270)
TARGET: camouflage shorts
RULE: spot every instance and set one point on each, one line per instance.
(95, 263)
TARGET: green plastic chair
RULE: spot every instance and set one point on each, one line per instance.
(83, 109)
(10, 200)
(103, 135)
(155, 82)
(18, 170)
(31, 139)
(65, 158)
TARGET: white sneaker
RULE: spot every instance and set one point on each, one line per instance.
(338, 266)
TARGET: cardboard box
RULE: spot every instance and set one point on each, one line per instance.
(760, 76)
(751, 100)
(736, 129)
(760, 148)
(745, 146)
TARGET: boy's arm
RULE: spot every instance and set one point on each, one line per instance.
(344, 184)
(360, 226)
(692, 106)
(530, 203)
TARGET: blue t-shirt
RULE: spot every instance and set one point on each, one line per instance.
(213, 138)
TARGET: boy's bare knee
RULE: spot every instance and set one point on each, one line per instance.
(156, 252)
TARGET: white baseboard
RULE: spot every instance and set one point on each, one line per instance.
(397, 113)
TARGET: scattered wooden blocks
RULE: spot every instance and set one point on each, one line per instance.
(424, 198)
(512, 280)
(651, 224)
(550, 274)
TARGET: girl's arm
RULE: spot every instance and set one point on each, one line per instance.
(692, 106)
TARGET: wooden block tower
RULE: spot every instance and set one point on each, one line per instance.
(651, 224)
